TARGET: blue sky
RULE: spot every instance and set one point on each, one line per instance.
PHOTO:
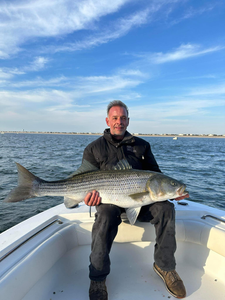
(63, 61)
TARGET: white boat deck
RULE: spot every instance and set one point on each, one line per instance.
(131, 278)
(53, 265)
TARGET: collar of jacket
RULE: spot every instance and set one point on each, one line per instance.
(128, 138)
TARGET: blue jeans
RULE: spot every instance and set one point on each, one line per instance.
(107, 220)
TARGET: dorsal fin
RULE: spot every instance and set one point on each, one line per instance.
(85, 167)
(122, 165)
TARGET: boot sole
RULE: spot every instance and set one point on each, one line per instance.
(160, 275)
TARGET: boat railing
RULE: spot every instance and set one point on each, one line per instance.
(213, 217)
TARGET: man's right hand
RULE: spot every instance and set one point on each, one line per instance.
(92, 198)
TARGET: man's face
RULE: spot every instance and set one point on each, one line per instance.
(118, 121)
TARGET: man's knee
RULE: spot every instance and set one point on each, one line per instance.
(163, 209)
(108, 214)
(166, 206)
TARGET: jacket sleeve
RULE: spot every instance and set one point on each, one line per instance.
(150, 161)
(89, 156)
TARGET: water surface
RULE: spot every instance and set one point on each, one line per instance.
(198, 162)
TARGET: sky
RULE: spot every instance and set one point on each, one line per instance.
(63, 61)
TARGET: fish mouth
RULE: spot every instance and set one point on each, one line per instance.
(182, 191)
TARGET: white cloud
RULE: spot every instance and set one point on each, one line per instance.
(99, 84)
(39, 102)
(113, 31)
(30, 20)
(38, 82)
(8, 73)
(191, 12)
(208, 90)
(37, 64)
(35, 19)
(133, 72)
(82, 85)
(182, 52)
(57, 110)
(64, 92)
(193, 115)
(63, 114)
(180, 116)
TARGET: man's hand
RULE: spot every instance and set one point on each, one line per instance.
(182, 197)
(92, 198)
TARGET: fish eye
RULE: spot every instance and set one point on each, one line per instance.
(173, 183)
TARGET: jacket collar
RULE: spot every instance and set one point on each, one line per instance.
(128, 138)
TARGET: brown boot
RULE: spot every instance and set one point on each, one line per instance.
(173, 282)
(98, 290)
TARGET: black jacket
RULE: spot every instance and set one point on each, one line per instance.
(105, 152)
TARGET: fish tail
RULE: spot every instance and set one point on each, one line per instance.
(26, 188)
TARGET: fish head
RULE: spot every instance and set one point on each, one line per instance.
(162, 187)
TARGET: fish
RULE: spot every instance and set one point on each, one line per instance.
(122, 186)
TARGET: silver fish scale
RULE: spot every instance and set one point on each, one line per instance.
(112, 183)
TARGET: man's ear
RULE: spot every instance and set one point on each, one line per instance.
(107, 121)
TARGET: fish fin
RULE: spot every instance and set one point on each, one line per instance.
(122, 165)
(26, 186)
(85, 167)
(72, 202)
(138, 196)
(132, 214)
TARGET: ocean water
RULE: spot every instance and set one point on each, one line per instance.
(198, 162)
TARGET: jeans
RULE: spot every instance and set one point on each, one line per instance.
(107, 220)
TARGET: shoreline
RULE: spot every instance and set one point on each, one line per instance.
(99, 134)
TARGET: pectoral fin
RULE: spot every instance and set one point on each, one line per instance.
(138, 196)
(132, 214)
(71, 202)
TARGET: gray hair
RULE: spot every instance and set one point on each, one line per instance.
(116, 103)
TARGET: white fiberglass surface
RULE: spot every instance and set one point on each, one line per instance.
(132, 276)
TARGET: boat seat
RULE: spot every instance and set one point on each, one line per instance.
(193, 231)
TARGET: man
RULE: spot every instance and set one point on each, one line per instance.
(116, 144)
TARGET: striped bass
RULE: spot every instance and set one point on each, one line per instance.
(122, 186)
